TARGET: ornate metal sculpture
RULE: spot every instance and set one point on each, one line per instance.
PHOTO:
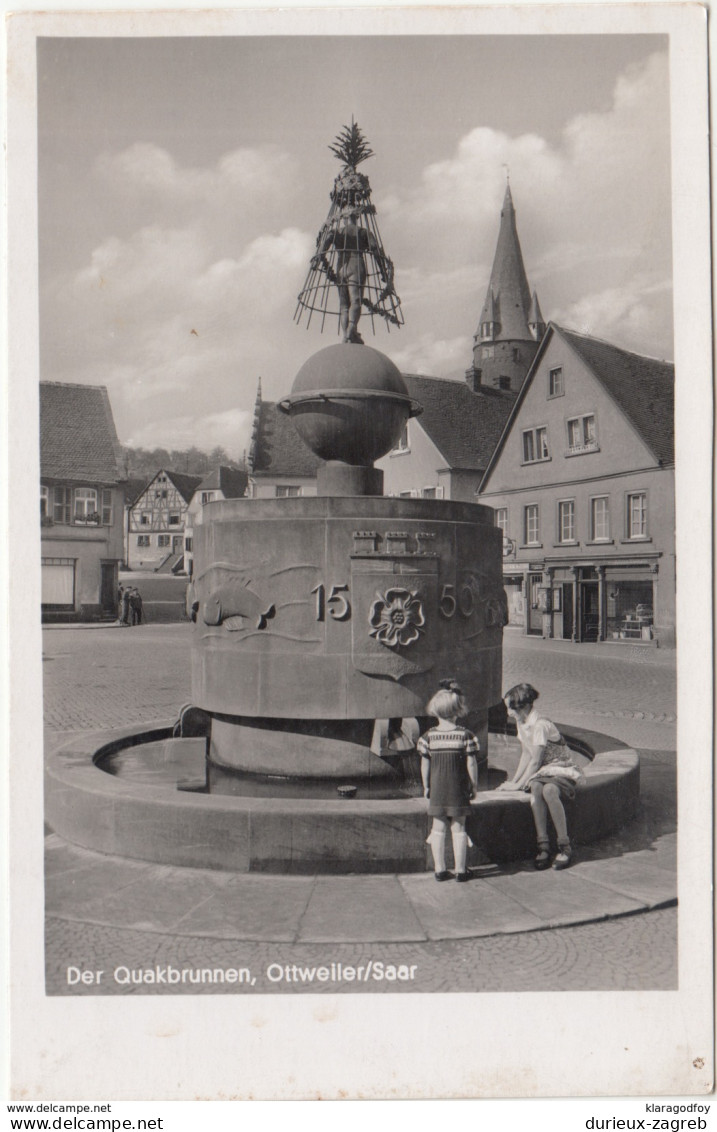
(350, 272)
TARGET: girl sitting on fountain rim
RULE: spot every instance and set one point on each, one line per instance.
(546, 769)
(450, 777)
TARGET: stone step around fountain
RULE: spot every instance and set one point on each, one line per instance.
(165, 825)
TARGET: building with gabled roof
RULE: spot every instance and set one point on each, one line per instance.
(582, 480)
(221, 483)
(511, 323)
(81, 502)
(444, 451)
(156, 520)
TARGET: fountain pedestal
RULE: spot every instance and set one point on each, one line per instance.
(334, 612)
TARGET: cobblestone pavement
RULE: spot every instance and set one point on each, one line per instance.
(107, 677)
(631, 953)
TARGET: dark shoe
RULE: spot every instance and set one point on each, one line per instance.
(445, 875)
(462, 877)
(563, 857)
(542, 861)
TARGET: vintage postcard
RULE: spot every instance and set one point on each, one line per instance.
(360, 660)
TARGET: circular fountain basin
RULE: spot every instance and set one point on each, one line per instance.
(177, 822)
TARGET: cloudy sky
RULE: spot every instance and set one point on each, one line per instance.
(182, 183)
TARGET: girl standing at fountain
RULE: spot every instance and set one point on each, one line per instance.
(546, 769)
(450, 777)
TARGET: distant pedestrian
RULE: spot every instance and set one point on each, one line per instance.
(546, 770)
(450, 777)
(125, 607)
(135, 604)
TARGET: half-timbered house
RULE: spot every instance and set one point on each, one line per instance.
(156, 522)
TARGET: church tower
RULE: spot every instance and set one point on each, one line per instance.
(511, 323)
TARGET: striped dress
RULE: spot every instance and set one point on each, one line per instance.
(450, 786)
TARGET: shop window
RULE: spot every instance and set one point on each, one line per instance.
(637, 515)
(600, 518)
(556, 388)
(629, 609)
(582, 435)
(62, 504)
(531, 524)
(287, 491)
(535, 445)
(58, 583)
(566, 520)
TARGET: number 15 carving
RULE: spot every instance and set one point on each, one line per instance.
(338, 605)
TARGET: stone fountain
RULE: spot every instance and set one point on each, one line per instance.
(315, 616)
(312, 619)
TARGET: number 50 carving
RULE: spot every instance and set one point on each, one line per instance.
(338, 605)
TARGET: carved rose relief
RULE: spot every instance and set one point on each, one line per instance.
(396, 617)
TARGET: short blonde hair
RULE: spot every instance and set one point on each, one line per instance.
(448, 702)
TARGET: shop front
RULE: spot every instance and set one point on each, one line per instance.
(601, 601)
(585, 601)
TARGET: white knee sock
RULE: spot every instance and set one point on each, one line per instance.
(437, 841)
(460, 848)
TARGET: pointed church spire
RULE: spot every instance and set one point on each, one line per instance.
(254, 429)
(508, 289)
(536, 322)
(511, 324)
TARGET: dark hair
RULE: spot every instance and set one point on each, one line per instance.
(520, 696)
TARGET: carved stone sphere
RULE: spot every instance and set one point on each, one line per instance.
(349, 403)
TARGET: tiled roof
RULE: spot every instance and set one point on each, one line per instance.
(185, 484)
(230, 481)
(78, 440)
(644, 389)
(133, 488)
(464, 426)
(277, 449)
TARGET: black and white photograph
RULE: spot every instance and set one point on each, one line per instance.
(363, 362)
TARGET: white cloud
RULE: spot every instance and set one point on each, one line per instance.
(189, 297)
(244, 175)
(593, 208)
(628, 311)
(433, 356)
(230, 429)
